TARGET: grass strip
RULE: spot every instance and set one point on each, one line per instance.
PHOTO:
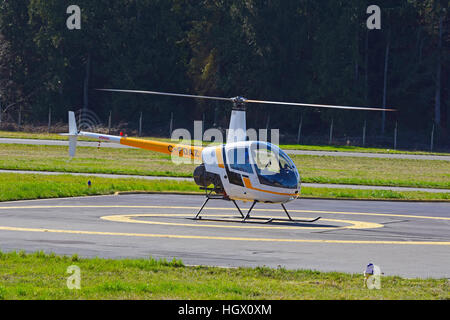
(30, 186)
(313, 169)
(44, 276)
(374, 171)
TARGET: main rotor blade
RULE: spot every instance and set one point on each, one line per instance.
(245, 100)
(167, 94)
(318, 105)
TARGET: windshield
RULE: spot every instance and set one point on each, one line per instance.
(274, 167)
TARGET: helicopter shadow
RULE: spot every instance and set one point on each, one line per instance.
(273, 222)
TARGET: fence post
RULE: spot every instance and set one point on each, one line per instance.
(109, 121)
(171, 124)
(203, 125)
(140, 125)
(395, 136)
(364, 134)
(331, 131)
(432, 139)
(268, 122)
(49, 119)
(0, 110)
(19, 121)
(299, 129)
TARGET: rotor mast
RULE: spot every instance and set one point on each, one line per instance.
(237, 130)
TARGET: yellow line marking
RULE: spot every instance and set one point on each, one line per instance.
(170, 236)
(128, 218)
(444, 243)
(211, 208)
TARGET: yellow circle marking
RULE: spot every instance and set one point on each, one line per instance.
(169, 236)
(212, 208)
(129, 218)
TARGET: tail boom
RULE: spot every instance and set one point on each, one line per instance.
(180, 150)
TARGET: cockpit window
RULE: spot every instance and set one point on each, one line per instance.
(274, 168)
(239, 159)
(266, 161)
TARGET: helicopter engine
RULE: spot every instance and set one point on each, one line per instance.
(204, 179)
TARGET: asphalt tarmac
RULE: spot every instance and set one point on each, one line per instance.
(410, 239)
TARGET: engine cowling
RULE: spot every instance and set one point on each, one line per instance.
(204, 178)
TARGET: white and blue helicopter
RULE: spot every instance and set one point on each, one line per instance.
(239, 170)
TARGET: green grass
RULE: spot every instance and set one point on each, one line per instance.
(313, 169)
(374, 171)
(43, 276)
(29, 186)
(91, 160)
(338, 193)
(38, 136)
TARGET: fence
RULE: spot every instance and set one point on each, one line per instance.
(397, 137)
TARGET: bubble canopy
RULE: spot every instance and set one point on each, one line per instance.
(272, 166)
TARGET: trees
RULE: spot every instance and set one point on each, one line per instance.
(303, 50)
(21, 74)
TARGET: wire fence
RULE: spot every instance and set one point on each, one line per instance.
(398, 137)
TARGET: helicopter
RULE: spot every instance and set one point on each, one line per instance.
(239, 170)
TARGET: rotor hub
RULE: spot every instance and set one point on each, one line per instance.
(239, 103)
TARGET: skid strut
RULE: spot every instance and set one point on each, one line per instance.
(247, 218)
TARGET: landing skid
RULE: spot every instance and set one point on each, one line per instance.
(256, 220)
(247, 218)
(264, 221)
